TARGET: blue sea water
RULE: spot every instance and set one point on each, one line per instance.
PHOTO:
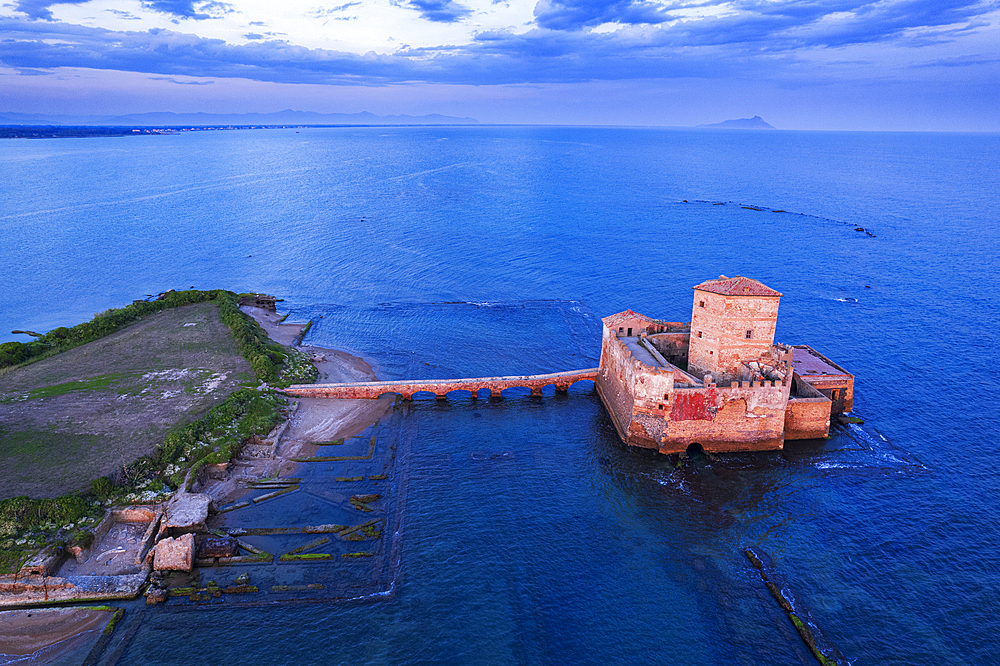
(530, 533)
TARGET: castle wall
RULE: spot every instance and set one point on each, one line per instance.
(611, 383)
(673, 346)
(740, 417)
(839, 389)
(807, 415)
(719, 324)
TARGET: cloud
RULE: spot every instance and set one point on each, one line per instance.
(181, 83)
(199, 10)
(440, 11)
(127, 16)
(321, 12)
(579, 14)
(39, 9)
(754, 40)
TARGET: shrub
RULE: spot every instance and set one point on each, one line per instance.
(102, 487)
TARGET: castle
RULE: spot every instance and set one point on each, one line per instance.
(720, 382)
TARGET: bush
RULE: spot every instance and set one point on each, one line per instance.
(23, 513)
(102, 487)
(11, 353)
(81, 538)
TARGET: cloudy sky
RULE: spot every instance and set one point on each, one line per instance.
(800, 64)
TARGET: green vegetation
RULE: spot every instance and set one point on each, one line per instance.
(265, 356)
(216, 437)
(308, 557)
(361, 502)
(113, 622)
(100, 382)
(364, 554)
(11, 560)
(28, 524)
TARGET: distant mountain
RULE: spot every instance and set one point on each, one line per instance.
(742, 123)
(286, 117)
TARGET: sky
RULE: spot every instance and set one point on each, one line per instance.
(907, 65)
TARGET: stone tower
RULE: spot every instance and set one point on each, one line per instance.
(732, 321)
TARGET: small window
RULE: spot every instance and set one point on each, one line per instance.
(699, 334)
(661, 406)
(629, 333)
(666, 396)
(701, 304)
(749, 334)
(621, 329)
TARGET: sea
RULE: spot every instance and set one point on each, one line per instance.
(530, 534)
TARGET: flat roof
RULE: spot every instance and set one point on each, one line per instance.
(640, 352)
(810, 363)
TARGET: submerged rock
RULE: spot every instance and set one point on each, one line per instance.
(216, 546)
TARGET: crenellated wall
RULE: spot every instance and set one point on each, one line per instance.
(659, 408)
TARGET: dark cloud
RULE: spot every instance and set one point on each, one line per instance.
(39, 9)
(756, 40)
(198, 10)
(181, 83)
(440, 11)
(579, 14)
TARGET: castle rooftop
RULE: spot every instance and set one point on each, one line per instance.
(737, 286)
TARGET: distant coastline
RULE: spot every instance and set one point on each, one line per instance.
(86, 131)
(741, 123)
(167, 119)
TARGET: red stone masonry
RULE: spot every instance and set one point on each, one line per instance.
(442, 387)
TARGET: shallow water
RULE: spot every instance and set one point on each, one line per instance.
(530, 534)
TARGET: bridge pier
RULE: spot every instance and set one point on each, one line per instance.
(407, 388)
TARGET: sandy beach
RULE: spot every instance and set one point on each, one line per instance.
(53, 630)
(312, 420)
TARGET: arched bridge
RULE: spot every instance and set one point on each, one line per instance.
(441, 387)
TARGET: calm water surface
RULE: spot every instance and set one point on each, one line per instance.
(531, 535)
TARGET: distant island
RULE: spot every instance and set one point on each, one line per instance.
(741, 123)
(278, 118)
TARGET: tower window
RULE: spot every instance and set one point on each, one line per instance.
(699, 334)
(749, 334)
(701, 304)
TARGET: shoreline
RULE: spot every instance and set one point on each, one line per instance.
(310, 422)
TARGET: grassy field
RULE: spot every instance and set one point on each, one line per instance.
(90, 411)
